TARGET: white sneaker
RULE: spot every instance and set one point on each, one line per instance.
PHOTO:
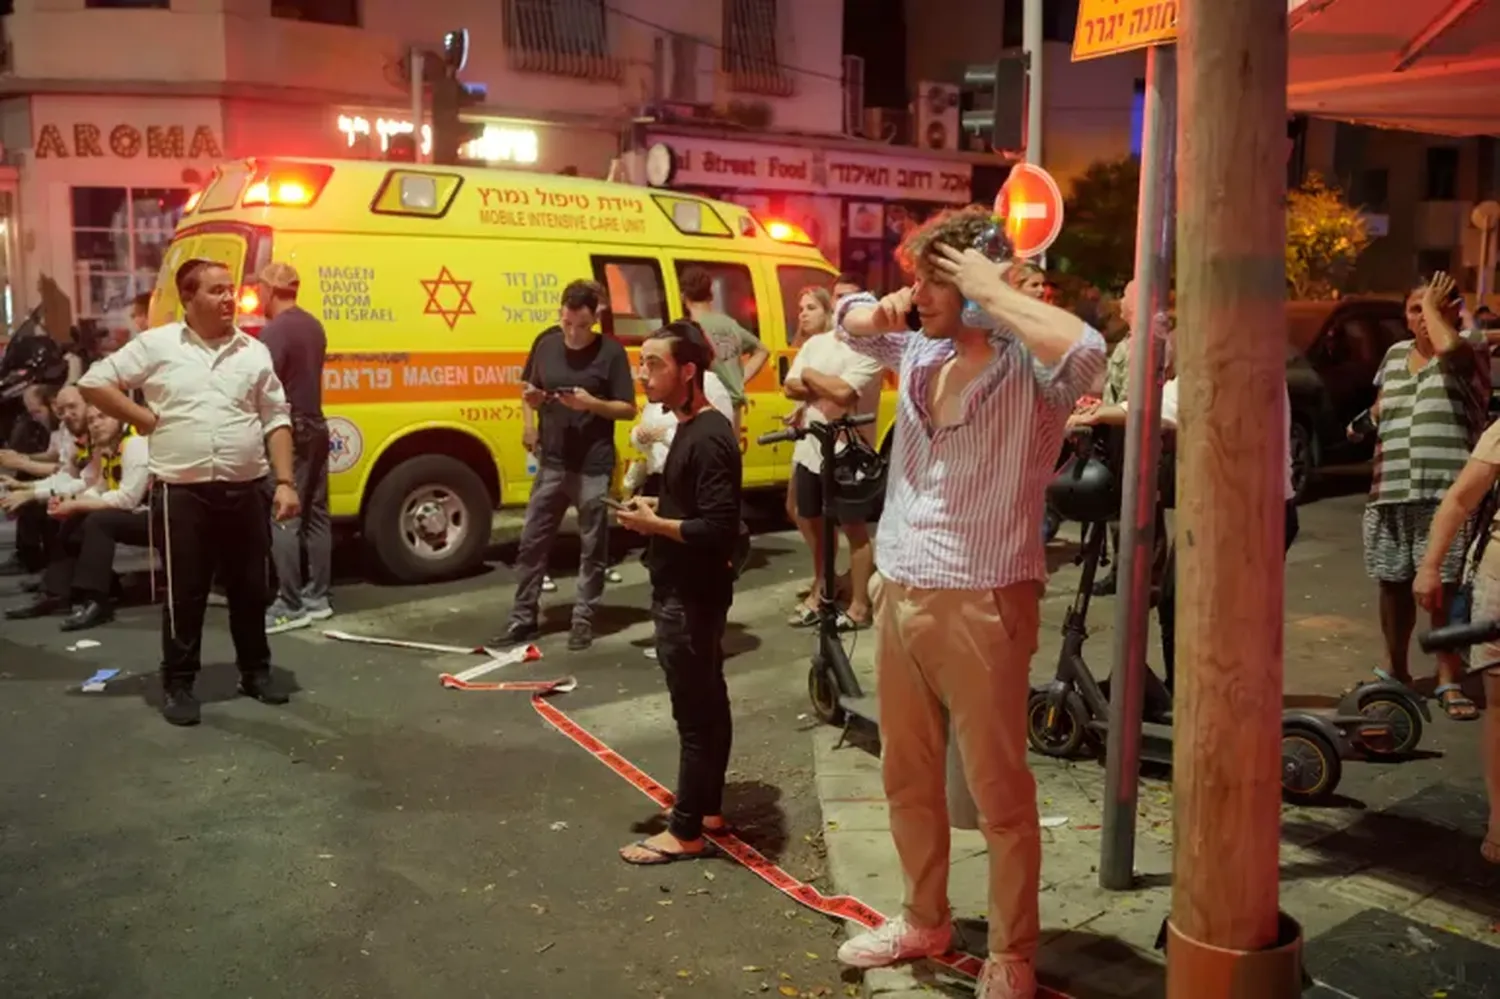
(612, 575)
(895, 942)
(1007, 980)
(548, 586)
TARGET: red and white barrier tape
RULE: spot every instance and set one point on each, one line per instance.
(838, 906)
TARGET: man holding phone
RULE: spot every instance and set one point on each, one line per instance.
(577, 383)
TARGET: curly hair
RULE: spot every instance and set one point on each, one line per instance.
(959, 228)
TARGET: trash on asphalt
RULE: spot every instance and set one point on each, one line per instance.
(95, 684)
(84, 643)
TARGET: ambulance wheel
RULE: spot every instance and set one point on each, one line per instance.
(428, 519)
(1310, 767)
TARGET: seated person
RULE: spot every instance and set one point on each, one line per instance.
(109, 509)
(59, 469)
(38, 401)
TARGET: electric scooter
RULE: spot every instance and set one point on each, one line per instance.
(836, 695)
(1070, 716)
(1459, 638)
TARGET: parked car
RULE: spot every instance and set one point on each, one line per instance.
(1334, 352)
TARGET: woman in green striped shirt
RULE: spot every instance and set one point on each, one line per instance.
(1434, 391)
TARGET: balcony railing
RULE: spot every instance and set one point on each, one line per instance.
(562, 38)
(753, 45)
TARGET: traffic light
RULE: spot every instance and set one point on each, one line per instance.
(994, 99)
(450, 96)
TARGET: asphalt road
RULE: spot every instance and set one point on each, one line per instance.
(382, 837)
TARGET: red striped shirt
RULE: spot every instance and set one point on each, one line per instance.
(964, 504)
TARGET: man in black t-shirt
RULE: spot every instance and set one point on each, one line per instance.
(692, 529)
(578, 382)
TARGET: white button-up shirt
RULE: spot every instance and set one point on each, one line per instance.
(214, 404)
(963, 507)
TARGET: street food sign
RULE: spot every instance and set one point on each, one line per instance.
(1108, 27)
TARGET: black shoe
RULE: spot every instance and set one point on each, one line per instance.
(180, 707)
(1105, 587)
(40, 607)
(517, 633)
(580, 638)
(89, 614)
(31, 586)
(262, 687)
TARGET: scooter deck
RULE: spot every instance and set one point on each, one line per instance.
(866, 708)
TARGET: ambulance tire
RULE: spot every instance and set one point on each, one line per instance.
(384, 531)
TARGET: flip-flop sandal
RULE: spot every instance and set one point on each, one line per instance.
(660, 856)
(1459, 708)
(804, 617)
(848, 624)
(1490, 851)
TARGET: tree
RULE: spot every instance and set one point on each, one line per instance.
(1097, 242)
(1324, 238)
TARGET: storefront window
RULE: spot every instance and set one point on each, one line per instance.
(793, 281)
(119, 237)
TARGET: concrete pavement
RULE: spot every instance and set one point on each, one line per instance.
(1397, 854)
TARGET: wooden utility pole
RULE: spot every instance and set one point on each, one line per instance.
(1226, 937)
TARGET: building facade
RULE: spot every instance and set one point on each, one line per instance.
(106, 136)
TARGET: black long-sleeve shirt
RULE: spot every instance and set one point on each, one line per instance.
(700, 487)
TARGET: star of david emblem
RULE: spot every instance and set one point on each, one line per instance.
(337, 444)
(437, 301)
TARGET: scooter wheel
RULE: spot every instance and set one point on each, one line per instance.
(1057, 731)
(1310, 767)
(1403, 718)
(824, 696)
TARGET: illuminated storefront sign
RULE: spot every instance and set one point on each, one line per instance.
(497, 144)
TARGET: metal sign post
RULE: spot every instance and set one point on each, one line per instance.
(1108, 27)
(1153, 278)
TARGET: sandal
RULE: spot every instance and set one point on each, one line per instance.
(1457, 707)
(658, 856)
(848, 624)
(804, 617)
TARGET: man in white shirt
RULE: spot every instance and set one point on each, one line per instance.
(57, 471)
(831, 381)
(109, 509)
(213, 411)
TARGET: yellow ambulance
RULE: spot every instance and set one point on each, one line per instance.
(434, 281)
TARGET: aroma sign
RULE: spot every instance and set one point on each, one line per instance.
(158, 142)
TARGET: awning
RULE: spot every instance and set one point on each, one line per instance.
(1423, 65)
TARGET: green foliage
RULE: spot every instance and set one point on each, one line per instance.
(1097, 242)
(1324, 238)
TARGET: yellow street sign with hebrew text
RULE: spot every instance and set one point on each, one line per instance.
(1108, 27)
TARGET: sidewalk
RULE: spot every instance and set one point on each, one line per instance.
(1389, 873)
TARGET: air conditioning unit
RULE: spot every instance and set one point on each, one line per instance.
(684, 69)
(886, 125)
(937, 116)
(854, 95)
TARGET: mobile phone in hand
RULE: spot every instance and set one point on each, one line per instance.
(615, 504)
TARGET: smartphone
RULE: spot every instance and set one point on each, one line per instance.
(615, 504)
(565, 390)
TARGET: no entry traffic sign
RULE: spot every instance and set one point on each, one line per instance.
(1031, 206)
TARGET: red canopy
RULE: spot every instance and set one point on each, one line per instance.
(1424, 65)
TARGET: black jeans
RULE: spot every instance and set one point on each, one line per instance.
(36, 535)
(206, 530)
(690, 649)
(82, 562)
(1166, 611)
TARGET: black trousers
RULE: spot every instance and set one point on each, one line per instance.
(81, 563)
(36, 535)
(1166, 611)
(690, 649)
(212, 530)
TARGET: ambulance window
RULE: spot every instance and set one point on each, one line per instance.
(734, 290)
(793, 281)
(637, 296)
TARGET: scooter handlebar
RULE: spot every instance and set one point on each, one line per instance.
(1459, 636)
(797, 433)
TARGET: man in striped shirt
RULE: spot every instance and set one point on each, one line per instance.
(979, 421)
(1434, 391)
